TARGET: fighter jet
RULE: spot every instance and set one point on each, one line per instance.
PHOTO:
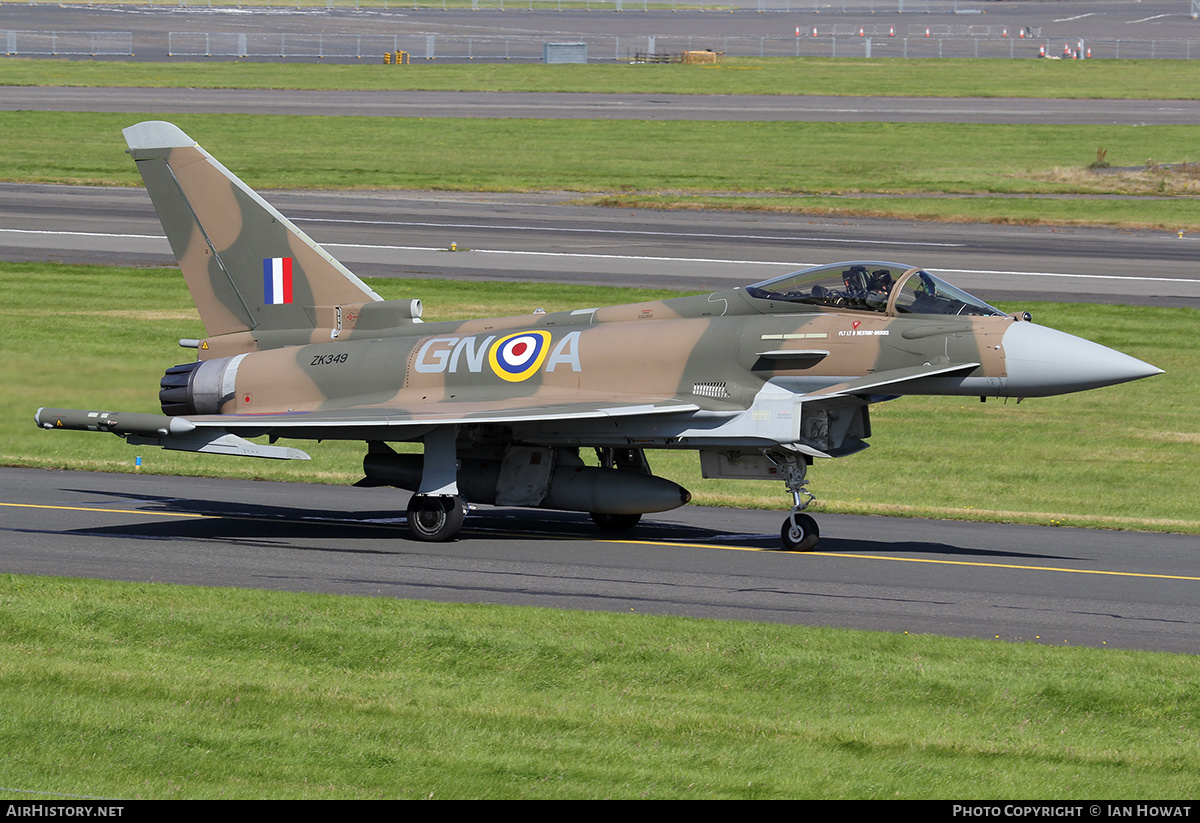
(761, 380)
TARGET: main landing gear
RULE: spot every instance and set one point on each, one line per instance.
(615, 522)
(436, 518)
(800, 532)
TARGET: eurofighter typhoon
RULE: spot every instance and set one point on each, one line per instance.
(759, 380)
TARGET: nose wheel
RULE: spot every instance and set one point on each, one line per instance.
(800, 532)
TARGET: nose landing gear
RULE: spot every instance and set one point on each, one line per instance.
(800, 532)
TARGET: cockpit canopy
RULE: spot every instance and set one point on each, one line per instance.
(890, 288)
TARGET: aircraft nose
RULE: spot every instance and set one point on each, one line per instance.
(1041, 361)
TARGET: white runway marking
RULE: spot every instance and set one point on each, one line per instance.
(658, 259)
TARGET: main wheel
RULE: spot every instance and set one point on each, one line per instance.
(435, 518)
(615, 522)
(802, 536)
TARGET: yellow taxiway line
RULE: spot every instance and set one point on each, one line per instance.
(664, 543)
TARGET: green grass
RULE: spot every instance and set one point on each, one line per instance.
(165, 692)
(690, 156)
(683, 160)
(1120, 457)
(667, 164)
(1059, 79)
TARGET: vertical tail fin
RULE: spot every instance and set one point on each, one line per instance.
(248, 268)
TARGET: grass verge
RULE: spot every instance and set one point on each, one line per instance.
(1120, 457)
(153, 691)
(1057, 79)
(673, 165)
(659, 163)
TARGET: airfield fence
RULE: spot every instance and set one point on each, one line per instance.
(816, 6)
(69, 43)
(959, 7)
(840, 40)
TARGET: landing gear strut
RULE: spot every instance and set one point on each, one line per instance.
(435, 518)
(800, 532)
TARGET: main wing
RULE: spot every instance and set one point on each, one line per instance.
(227, 433)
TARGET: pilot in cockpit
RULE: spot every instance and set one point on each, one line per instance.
(855, 279)
(879, 288)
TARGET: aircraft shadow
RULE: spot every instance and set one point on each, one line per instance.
(251, 524)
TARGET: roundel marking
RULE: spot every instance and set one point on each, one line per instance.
(516, 357)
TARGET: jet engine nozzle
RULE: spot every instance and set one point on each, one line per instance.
(199, 387)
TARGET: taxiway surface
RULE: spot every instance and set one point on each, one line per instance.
(1015, 583)
(1059, 586)
(542, 237)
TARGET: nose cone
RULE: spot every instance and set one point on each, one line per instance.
(1042, 361)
